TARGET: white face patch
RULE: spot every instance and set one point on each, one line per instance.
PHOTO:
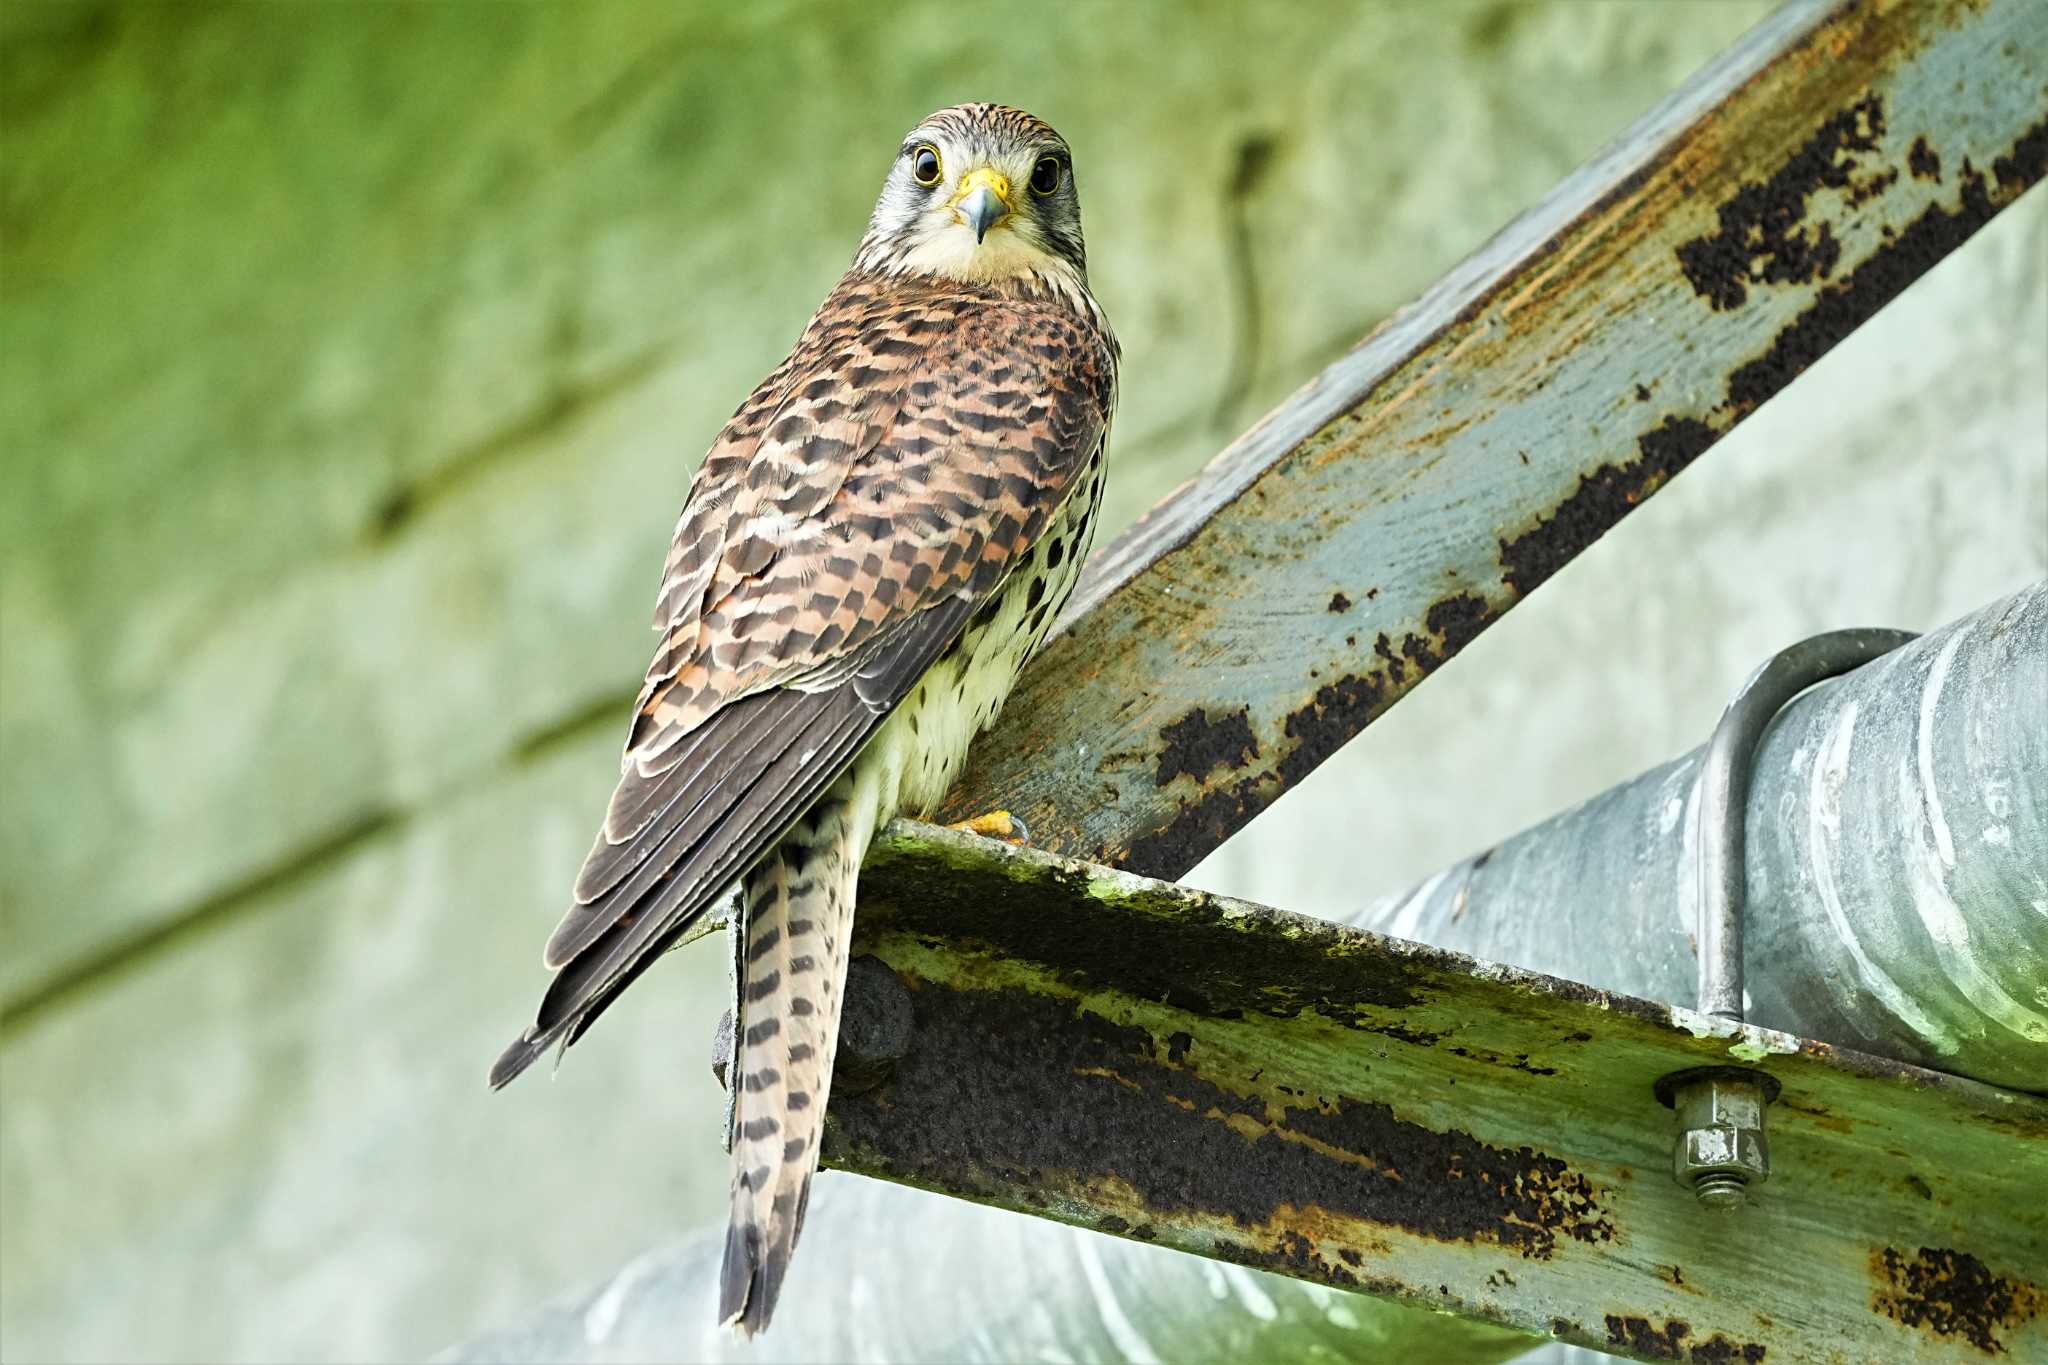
(918, 229)
(1005, 254)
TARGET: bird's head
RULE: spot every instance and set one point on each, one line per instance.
(979, 192)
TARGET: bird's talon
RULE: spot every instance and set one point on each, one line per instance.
(996, 824)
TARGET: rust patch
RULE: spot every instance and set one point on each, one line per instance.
(1197, 745)
(1339, 603)
(1840, 308)
(1923, 161)
(1876, 184)
(1639, 1338)
(1384, 647)
(1763, 235)
(1336, 712)
(1196, 828)
(1644, 1339)
(1952, 1294)
(1413, 1036)
(1445, 1181)
(1006, 1091)
(1817, 1115)
(1456, 622)
(1323, 724)
(1294, 1254)
(1339, 710)
(1604, 496)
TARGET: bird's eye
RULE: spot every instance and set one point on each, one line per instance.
(924, 165)
(1045, 176)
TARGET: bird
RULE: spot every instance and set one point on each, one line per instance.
(873, 546)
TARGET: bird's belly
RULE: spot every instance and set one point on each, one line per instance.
(915, 757)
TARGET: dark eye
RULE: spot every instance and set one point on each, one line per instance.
(1045, 176)
(924, 165)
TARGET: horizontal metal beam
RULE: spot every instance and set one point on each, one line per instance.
(1378, 1115)
(1897, 864)
(1390, 510)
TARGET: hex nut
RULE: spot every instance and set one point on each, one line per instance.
(1721, 1149)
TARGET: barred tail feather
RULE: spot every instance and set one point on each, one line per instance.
(799, 918)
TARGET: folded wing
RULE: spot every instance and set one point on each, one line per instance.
(869, 496)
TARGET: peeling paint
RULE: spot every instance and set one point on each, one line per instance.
(1765, 235)
(1604, 496)
(1196, 745)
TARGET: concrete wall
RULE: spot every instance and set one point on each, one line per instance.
(355, 359)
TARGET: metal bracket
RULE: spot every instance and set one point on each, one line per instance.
(1721, 1147)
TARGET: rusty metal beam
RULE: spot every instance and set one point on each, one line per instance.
(1383, 516)
(1377, 1115)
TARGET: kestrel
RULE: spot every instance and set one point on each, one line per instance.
(870, 551)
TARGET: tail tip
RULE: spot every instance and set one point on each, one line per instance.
(746, 1289)
(516, 1058)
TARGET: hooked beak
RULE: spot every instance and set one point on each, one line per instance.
(983, 201)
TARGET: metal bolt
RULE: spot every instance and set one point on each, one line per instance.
(1721, 1149)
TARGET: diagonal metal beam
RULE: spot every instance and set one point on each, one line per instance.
(1373, 524)
(1378, 1115)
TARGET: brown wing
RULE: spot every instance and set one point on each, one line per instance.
(837, 539)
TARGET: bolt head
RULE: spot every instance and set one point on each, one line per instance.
(1721, 1149)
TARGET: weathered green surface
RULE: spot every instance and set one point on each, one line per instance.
(1377, 522)
(276, 1148)
(353, 361)
(1379, 1115)
(357, 356)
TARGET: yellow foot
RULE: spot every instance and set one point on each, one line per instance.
(997, 824)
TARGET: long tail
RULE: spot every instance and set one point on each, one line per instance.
(799, 918)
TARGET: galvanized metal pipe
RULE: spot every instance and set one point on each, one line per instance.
(1725, 773)
(1896, 867)
(896, 1274)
